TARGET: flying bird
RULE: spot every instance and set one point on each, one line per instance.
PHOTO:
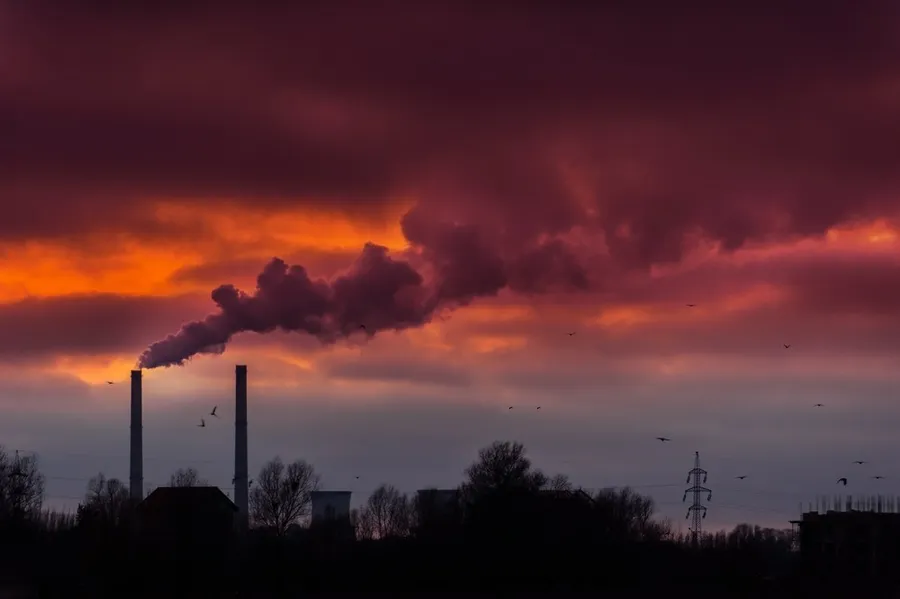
(860, 462)
(539, 407)
(690, 305)
(357, 478)
(213, 413)
(878, 477)
(202, 423)
(664, 439)
(741, 477)
(787, 346)
(363, 327)
(510, 407)
(110, 383)
(818, 405)
(842, 481)
(571, 334)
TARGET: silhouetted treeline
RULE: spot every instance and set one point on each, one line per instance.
(508, 526)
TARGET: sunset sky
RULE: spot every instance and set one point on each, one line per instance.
(544, 170)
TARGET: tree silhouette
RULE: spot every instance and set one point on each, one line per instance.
(21, 486)
(55, 521)
(281, 495)
(187, 477)
(502, 467)
(387, 513)
(559, 482)
(107, 502)
(628, 516)
(752, 535)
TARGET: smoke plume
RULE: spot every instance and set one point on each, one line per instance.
(377, 293)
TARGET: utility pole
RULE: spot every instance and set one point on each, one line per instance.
(697, 509)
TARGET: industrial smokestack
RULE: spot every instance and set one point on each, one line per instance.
(137, 438)
(241, 488)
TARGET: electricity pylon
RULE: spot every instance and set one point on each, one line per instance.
(697, 509)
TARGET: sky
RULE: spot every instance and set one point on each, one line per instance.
(474, 182)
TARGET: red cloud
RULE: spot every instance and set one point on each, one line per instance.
(674, 127)
(549, 150)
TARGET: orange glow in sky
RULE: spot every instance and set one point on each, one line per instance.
(144, 268)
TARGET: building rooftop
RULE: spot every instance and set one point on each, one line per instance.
(165, 497)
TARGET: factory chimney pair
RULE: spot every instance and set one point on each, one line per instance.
(241, 488)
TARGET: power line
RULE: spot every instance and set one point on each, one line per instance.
(117, 457)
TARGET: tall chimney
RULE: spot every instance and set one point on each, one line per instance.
(241, 488)
(137, 438)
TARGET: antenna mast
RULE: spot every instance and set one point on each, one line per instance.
(697, 509)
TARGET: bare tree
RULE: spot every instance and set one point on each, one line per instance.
(387, 513)
(361, 521)
(281, 495)
(502, 466)
(187, 477)
(21, 486)
(55, 521)
(630, 515)
(107, 501)
(559, 482)
(749, 535)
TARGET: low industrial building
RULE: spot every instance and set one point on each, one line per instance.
(849, 542)
(330, 505)
(184, 522)
(330, 517)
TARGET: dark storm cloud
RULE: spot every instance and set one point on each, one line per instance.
(737, 124)
(711, 120)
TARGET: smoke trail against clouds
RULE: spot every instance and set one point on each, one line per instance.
(378, 292)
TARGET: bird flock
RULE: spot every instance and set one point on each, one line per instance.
(840, 481)
(212, 413)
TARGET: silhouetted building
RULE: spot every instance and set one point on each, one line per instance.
(187, 522)
(850, 543)
(330, 518)
(330, 505)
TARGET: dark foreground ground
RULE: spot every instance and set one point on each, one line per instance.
(696, 592)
